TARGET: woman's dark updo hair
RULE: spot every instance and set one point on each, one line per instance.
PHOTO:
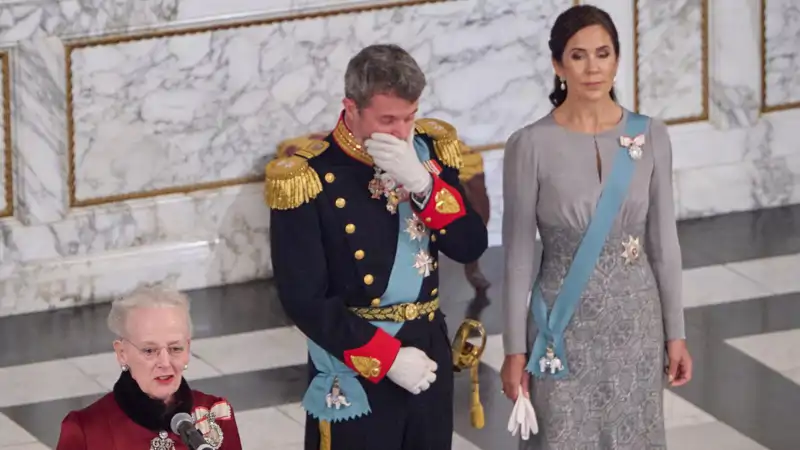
(567, 24)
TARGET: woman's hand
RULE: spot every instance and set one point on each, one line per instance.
(679, 370)
(513, 375)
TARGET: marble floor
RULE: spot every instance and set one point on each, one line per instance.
(741, 291)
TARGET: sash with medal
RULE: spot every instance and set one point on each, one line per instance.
(548, 354)
(335, 394)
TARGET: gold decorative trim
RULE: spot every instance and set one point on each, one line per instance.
(72, 45)
(347, 142)
(8, 165)
(764, 107)
(703, 58)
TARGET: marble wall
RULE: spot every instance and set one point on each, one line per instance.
(135, 131)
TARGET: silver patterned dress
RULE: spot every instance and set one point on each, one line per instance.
(612, 398)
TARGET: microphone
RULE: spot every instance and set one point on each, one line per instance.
(183, 425)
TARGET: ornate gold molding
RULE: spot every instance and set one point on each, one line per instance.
(72, 45)
(704, 65)
(8, 165)
(764, 107)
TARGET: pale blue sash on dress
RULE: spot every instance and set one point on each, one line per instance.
(403, 287)
(551, 333)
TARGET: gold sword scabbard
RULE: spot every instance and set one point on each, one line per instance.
(467, 355)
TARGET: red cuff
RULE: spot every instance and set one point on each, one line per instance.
(374, 358)
(444, 206)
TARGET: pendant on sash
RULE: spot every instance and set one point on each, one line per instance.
(550, 362)
(423, 263)
(336, 398)
(162, 442)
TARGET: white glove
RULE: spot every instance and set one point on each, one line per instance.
(412, 370)
(399, 159)
(523, 417)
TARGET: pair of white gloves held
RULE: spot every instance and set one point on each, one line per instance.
(412, 370)
(523, 417)
(399, 159)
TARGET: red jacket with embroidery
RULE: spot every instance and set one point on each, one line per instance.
(104, 426)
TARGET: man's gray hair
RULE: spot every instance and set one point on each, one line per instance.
(383, 69)
(145, 297)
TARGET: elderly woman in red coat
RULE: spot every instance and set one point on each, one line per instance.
(153, 329)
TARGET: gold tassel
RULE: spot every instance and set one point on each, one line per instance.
(290, 183)
(476, 408)
(449, 152)
(324, 435)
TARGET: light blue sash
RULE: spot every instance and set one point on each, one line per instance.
(403, 287)
(551, 333)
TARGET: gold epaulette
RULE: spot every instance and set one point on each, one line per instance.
(291, 181)
(445, 141)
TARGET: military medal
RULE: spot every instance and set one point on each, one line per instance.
(206, 422)
(335, 398)
(415, 228)
(383, 185)
(632, 250)
(634, 145)
(162, 442)
(376, 185)
(423, 263)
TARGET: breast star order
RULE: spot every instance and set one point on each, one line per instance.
(632, 250)
(423, 263)
(415, 228)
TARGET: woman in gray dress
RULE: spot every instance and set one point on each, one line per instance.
(599, 379)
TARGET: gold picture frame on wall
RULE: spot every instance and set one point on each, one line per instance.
(72, 45)
(8, 153)
(765, 108)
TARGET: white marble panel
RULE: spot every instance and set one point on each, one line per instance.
(782, 33)
(670, 52)
(186, 241)
(734, 63)
(210, 106)
(38, 18)
(40, 130)
(25, 19)
(189, 10)
(743, 186)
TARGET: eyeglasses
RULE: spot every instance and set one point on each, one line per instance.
(150, 352)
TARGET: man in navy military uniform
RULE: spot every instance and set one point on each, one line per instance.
(358, 220)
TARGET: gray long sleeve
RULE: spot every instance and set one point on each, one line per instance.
(663, 248)
(520, 193)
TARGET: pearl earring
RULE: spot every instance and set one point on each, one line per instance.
(125, 367)
(185, 367)
(563, 85)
